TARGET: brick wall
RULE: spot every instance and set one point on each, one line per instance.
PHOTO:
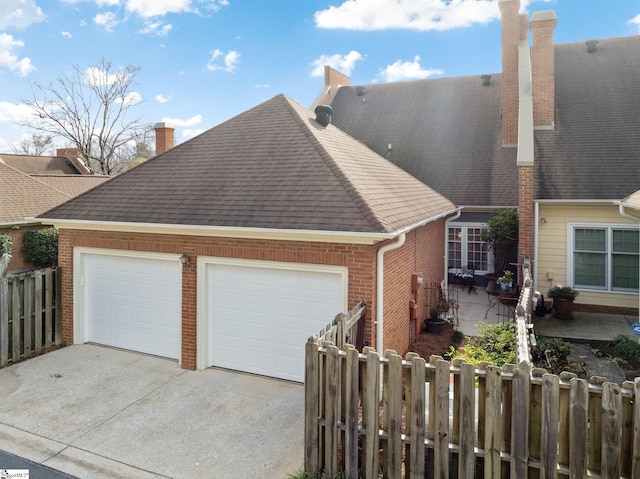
(525, 212)
(422, 252)
(359, 259)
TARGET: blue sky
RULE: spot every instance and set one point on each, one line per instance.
(205, 61)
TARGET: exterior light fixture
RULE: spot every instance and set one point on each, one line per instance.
(185, 259)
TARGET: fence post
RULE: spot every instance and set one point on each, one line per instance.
(520, 424)
(416, 418)
(311, 407)
(578, 430)
(370, 415)
(549, 425)
(351, 390)
(466, 464)
(635, 463)
(611, 430)
(493, 423)
(441, 432)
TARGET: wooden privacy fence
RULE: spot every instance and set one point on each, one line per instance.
(29, 313)
(367, 414)
(346, 328)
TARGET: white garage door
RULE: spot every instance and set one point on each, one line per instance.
(259, 317)
(133, 303)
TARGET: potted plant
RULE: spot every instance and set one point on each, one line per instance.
(563, 297)
(434, 323)
(506, 280)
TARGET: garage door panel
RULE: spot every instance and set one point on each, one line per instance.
(259, 317)
(133, 303)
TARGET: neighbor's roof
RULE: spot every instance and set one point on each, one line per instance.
(594, 151)
(272, 166)
(23, 197)
(40, 165)
(447, 132)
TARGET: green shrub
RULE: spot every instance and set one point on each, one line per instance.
(624, 347)
(40, 247)
(556, 347)
(6, 241)
(496, 344)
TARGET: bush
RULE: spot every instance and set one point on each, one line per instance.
(624, 347)
(40, 247)
(496, 345)
(556, 347)
(6, 241)
(562, 292)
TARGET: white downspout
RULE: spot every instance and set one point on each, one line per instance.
(380, 288)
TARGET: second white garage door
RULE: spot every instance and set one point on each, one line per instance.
(133, 302)
(260, 314)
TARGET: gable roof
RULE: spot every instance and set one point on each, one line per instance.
(40, 165)
(272, 166)
(594, 150)
(447, 132)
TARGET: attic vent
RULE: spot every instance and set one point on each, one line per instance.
(360, 90)
(486, 80)
(323, 114)
(592, 45)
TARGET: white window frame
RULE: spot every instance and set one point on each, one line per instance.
(464, 227)
(609, 227)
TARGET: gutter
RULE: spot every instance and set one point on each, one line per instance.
(380, 288)
(446, 247)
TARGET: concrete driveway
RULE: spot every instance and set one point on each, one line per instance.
(97, 412)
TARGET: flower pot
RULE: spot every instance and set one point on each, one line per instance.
(562, 308)
(435, 326)
(504, 286)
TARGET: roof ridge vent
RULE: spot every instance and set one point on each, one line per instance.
(592, 45)
(486, 80)
(323, 114)
(360, 90)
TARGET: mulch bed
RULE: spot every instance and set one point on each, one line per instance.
(427, 344)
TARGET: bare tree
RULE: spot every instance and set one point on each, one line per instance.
(36, 145)
(90, 109)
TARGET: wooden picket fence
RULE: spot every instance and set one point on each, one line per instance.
(346, 328)
(405, 418)
(29, 314)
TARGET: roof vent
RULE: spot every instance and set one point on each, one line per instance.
(592, 45)
(360, 90)
(323, 114)
(486, 80)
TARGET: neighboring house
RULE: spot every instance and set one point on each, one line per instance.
(234, 247)
(31, 185)
(554, 134)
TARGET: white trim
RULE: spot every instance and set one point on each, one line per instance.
(571, 226)
(80, 318)
(202, 322)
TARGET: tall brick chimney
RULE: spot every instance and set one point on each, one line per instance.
(164, 137)
(333, 80)
(511, 36)
(542, 27)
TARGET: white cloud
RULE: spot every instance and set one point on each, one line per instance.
(157, 28)
(132, 98)
(96, 76)
(342, 63)
(19, 13)
(407, 14)
(107, 3)
(14, 112)
(636, 21)
(159, 8)
(194, 120)
(161, 98)
(230, 61)
(258, 86)
(190, 133)
(66, 34)
(106, 20)
(8, 58)
(400, 71)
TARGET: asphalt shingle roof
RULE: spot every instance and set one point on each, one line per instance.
(594, 151)
(40, 165)
(272, 166)
(447, 132)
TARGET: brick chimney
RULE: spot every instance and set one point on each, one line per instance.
(542, 27)
(164, 137)
(333, 80)
(511, 35)
(73, 155)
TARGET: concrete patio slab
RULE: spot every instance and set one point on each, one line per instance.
(92, 411)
